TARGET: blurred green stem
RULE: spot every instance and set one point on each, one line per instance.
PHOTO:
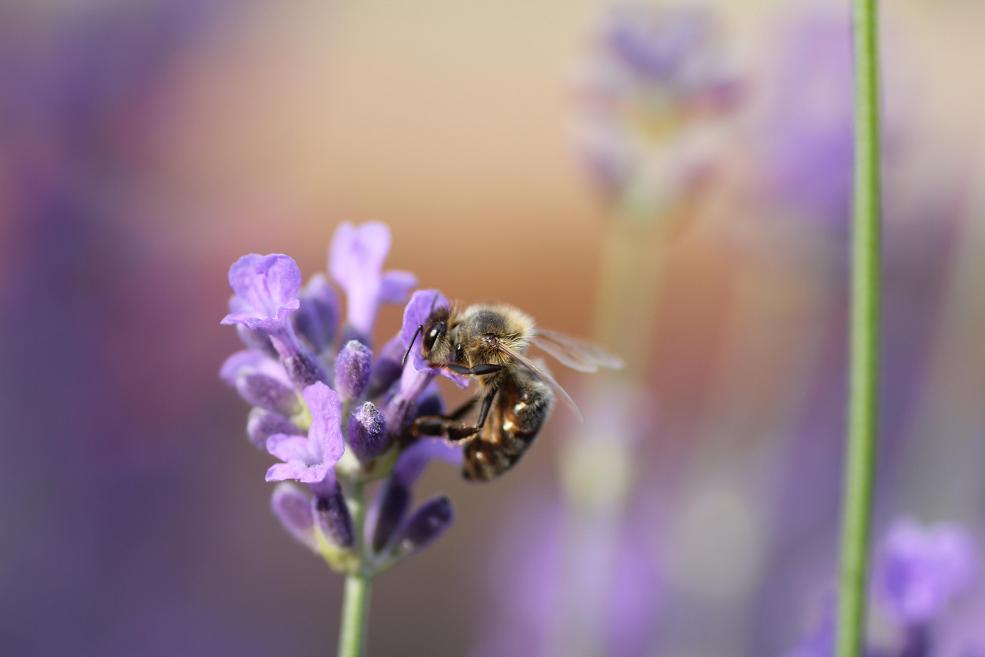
(864, 383)
(355, 603)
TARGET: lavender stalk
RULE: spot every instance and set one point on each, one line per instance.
(355, 601)
(864, 382)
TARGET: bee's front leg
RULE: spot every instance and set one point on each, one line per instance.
(436, 425)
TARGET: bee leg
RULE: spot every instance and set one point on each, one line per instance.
(436, 425)
(459, 432)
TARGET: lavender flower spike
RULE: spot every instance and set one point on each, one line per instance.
(921, 570)
(310, 459)
(356, 263)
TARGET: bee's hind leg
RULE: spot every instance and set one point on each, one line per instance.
(436, 425)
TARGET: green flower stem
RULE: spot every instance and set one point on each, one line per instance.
(355, 603)
(864, 382)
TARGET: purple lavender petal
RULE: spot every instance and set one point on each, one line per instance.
(332, 517)
(396, 285)
(262, 424)
(293, 509)
(237, 362)
(269, 393)
(352, 370)
(367, 432)
(356, 259)
(318, 315)
(299, 471)
(430, 521)
(288, 448)
(255, 339)
(310, 459)
(325, 434)
(415, 458)
(266, 288)
(921, 570)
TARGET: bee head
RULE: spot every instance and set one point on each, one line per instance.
(435, 329)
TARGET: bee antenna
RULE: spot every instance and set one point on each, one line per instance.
(420, 329)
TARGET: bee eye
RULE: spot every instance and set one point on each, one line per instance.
(459, 353)
(432, 337)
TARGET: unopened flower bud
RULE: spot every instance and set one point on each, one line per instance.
(352, 370)
(394, 500)
(318, 315)
(428, 523)
(367, 433)
(293, 509)
(332, 516)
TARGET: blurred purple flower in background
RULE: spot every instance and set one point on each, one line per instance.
(649, 104)
(918, 573)
(919, 570)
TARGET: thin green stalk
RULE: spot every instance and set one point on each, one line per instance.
(864, 381)
(355, 603)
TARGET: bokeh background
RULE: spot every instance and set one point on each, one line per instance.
(144, 145)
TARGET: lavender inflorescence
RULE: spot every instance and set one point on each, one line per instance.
(333, 417)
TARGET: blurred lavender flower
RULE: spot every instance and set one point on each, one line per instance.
(311, 405)
(649, 104)
(921, 570)
(918, 572)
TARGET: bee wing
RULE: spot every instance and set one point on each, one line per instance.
(577, 354)
(543, 376)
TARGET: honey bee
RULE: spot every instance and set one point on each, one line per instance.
(489, 343)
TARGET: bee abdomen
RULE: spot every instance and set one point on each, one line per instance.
(521, 415)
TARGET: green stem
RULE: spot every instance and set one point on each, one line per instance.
(864, 382)
(355, 603)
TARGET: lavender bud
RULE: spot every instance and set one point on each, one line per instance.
(394, 500)
(386, 368)
(367, 432)
(262, 424)
(429, 403)
(332, 516)
(352, 369)
(293, 509)
(269, 393)
(318, 313)
(428, 523)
